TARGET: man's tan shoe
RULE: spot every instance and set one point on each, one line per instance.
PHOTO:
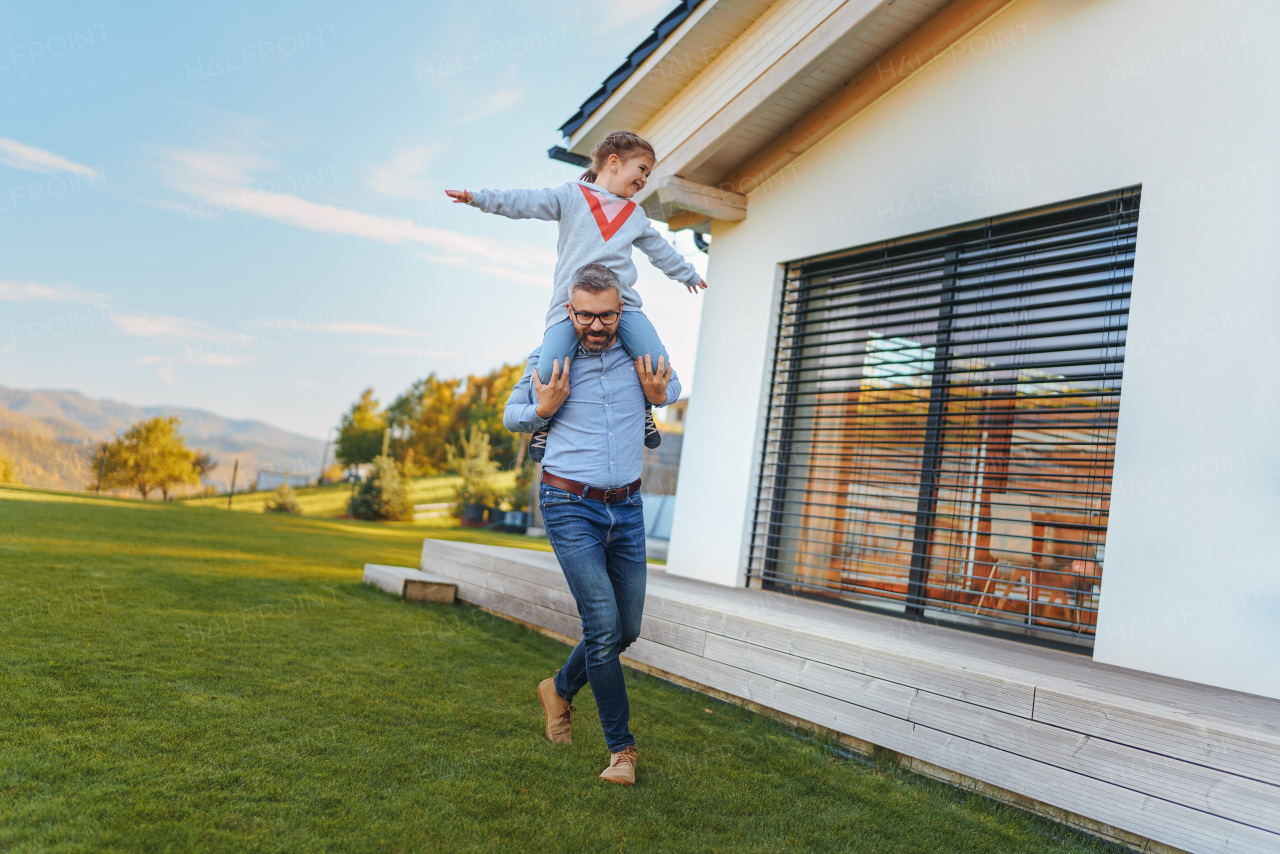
(622, 767)
(558, 710)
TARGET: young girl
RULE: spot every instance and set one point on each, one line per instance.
(598, 223)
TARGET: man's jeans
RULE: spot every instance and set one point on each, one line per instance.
(601, 550)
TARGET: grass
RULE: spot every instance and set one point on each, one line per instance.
(330, 501)
(179, 679)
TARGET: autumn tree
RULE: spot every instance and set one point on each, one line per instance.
(9, 471)
(423, 420)
(150, 455)
(360, 431)
(429, 416)
(481, 408)
(203, 463)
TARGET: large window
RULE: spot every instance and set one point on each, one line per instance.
(942, 421)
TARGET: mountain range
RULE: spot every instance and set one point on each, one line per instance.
(52, 433)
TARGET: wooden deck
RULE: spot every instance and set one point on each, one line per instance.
(1121, 753)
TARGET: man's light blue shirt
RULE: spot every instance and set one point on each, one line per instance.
(597, 435)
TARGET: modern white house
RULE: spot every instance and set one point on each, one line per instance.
(984, 461)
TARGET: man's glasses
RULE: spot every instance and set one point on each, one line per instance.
(586, 318)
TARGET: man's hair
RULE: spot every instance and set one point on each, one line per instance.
(595, 279)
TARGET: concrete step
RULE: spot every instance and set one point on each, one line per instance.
(411, 584)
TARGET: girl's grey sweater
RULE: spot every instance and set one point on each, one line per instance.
(595, 227)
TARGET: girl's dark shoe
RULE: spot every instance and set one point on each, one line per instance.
(538, 445)
(652, 438)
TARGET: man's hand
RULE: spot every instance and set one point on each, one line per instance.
(702, 285)
(554, 393)
(654, 382)
(463, 197)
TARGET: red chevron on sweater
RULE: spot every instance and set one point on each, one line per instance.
(608, 226)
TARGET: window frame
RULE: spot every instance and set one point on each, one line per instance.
(949, 283)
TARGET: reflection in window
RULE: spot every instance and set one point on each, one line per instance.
(942, 422)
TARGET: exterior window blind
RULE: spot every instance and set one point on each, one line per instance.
(942, 421)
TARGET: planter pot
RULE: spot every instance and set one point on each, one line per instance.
(516, 521)
(473, 515)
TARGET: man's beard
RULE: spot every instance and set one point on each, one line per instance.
(593, 344)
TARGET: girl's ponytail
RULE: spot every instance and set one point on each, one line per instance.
(623, 143)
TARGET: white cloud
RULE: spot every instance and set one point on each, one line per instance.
(164, 372)
(218, 360)
(494, 104)
(142, 326)
(209, 178)
(34, 159)
(630, 13)
(402, 177)
(343, 327)
(524, 278)
(407, 351)
(40, 292)
(221, 167)
(193, 357)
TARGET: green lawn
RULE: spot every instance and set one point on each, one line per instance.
(330, 501)
(186, 679)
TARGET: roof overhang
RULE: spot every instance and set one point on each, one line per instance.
(737, 89)
(656, 41)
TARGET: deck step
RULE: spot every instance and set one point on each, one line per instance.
(1149, 761)
(411, 584)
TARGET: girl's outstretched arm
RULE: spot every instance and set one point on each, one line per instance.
(515, 204)
(664, 256)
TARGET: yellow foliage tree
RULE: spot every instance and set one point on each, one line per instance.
(150, 455)
(9, 471)
(361, 431)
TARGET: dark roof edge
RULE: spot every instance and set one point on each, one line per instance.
(665, 27)
(556, 152)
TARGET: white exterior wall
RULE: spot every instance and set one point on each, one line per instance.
(1049, 101)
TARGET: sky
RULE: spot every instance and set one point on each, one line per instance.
(239, 206)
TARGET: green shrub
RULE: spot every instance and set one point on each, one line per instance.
(524, 483)
(471, 462)
(283, 500)
(382, 496)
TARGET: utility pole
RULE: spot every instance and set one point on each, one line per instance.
(102, 465)
(523, 448)
(234, 471)
(352, 477)
(324, 456)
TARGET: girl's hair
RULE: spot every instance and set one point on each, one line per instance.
(623, 143)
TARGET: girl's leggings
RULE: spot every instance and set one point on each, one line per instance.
(635, 331)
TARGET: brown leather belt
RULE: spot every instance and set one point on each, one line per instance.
(608, 496)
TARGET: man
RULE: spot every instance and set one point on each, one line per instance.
(590, 501)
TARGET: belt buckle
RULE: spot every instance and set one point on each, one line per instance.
(610, 493)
